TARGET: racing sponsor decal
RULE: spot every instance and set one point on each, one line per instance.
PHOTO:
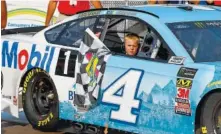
(91, 13)
(71, 95)
(214, 24)
(46, 120)
(215, 83)
(66, 63)
(12, 57)
(125, 13)
(199, 24)
(181, 26)
(176, 60)
(187, 72)
(182, 105)
(182, 108)
(204, 130)
(7, 97)
(182, 95)
(185, 83)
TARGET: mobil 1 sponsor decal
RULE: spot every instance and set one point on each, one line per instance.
(20, 56)
(182, 105)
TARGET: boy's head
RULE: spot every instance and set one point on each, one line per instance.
(131, 42)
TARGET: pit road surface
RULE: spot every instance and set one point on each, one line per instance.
(14, 128)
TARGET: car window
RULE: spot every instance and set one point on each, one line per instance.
(71, 33)
(52, 35)
(150, 46)
(118, 28)
(200, 39)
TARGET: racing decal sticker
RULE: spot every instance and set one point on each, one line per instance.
(213, 24)
(66, 63)
(187, 72)
(182, 95)
(185, 83)
(204, 130)
(87, 14)
(121, 12)
(182, 105)
(13, 57)
(6, 96)
(71, 93)
(129, 82)
(215, 83)
(176, 60)
(182, 108)
(199, 24)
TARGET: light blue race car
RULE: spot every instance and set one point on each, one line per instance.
(78, 71)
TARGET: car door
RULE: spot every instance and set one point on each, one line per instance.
(143, 91)
(67, 40)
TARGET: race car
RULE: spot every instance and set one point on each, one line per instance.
(67, 72)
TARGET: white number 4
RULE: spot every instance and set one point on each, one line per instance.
(129, 82)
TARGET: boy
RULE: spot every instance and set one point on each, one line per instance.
(132, 44)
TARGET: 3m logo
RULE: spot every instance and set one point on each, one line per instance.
(183, 93)
(185, 83)
(199, 25)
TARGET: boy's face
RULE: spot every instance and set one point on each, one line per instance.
(131, 47)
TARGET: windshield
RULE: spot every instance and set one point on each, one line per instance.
(202, 40)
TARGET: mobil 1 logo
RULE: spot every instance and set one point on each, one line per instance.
(66, 63)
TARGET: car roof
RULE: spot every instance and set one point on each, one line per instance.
(181, 13)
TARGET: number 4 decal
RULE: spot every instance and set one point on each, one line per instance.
(129, 83)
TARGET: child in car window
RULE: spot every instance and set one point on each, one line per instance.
(131, 42)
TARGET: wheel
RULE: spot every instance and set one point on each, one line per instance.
(210, 119)
(40, 100)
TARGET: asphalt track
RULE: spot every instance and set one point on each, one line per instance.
(15, 128)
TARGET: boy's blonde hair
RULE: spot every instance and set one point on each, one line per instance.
(133, 36)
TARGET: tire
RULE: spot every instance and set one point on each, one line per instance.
(40, 109)
(210, 118)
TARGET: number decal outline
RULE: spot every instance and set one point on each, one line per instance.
(116, 107)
